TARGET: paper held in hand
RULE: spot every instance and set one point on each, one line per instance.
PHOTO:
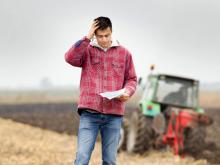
(113, 94)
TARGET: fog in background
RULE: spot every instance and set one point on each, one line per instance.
(180, 37)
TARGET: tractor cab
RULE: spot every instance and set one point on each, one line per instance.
(162, 90)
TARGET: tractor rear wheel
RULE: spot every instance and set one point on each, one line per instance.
(140, 133)
(194, 140)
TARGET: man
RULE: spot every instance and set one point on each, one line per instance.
(178, 97)
(106, 66)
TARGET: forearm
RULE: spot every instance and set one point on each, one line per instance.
(130, 86)
(75, 54)
(131, 78)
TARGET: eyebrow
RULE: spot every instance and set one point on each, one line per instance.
(103, 35)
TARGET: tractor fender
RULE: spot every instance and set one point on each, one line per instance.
(150, 108)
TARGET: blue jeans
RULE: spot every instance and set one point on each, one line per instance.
(90, 124)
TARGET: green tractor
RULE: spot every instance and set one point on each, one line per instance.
(168, 114)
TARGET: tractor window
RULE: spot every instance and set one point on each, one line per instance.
(176, 92)
(148, 93)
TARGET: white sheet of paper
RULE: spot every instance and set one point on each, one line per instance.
(113, 94)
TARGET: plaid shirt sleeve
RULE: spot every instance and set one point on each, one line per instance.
(75, 55)
(130, 76)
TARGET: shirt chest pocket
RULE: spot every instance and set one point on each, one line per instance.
(95, 59)
(94, 64)
(118, 68)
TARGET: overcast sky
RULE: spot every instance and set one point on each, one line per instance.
(178, 36)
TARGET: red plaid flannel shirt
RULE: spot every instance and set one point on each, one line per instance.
(102, 71)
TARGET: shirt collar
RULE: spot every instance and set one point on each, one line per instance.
(94, 43)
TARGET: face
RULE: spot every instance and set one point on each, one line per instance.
(104, 37)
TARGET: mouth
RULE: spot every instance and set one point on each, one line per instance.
(105, 45)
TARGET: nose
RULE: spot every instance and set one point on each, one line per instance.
(104, 39)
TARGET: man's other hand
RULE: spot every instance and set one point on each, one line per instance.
(124, 97)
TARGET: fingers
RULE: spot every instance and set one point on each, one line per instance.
(92, 30)
(95, 24)
(123, 98)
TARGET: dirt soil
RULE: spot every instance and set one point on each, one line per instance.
(23, 144)
(63, 119)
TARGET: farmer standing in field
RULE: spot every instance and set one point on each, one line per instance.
(106, 66)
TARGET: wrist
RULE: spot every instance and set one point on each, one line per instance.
(86, 39)
(89, 37)
(127, 92)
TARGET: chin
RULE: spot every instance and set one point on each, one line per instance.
(104, 46)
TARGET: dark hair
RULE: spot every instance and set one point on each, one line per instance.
(104, 23)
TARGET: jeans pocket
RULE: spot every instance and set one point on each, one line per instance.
(115, 122)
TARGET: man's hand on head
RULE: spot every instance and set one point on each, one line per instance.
(93, 29)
